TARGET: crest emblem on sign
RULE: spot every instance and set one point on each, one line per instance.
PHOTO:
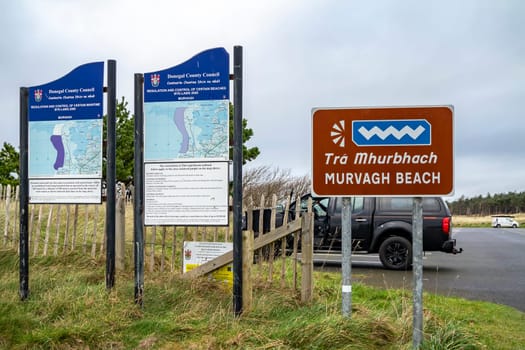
(38, 95)
(155, 80)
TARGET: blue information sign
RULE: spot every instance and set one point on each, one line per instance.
(186, 141)
(65, 136)
(78, 95)
(203, 77)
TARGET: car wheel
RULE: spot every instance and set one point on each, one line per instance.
(498, 226)
(395, 253)
(514, 226)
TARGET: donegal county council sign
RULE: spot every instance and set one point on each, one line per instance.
(389, 151)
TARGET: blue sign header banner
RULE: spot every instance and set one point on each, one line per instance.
(203, 77)
(77, 95)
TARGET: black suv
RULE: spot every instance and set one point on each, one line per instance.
(381, 225)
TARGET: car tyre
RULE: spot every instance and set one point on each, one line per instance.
(395, 253)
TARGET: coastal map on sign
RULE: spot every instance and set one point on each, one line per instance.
(186, 130)
(70, 148)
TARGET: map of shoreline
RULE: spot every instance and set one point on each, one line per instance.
(65, 148)
(186, 130)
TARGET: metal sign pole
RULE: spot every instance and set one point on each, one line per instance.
(138, 196)
(417, 253)
(346, 262)
(237, 180)
(24, 195)
(111, 174)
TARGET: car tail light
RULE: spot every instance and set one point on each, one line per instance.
(445, 225)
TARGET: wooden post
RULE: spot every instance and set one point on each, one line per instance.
(94, 242)
(57, 233)
(271, 251)
(120, 230)
(163, 255)
(48, 227)
(30, 226)
(15, 217)
(247, 262)
(86, 221)
(296, 243)
(184, 237)
(7, 203)
(66, 234)
(194, 234)
(283, 243)
(75, 227)
(173, 249)
(36, 241)
(260, 254)
(307, 255)
(152, 249)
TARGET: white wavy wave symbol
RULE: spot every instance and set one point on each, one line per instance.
(391, 131)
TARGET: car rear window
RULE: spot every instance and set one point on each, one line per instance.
(396, 204)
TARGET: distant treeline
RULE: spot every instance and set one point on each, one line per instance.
(504, 203)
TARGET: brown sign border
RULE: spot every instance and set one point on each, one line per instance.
(384, 170)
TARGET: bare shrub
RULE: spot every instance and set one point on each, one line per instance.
(266, 180)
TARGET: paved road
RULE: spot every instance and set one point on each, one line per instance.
(491, 268)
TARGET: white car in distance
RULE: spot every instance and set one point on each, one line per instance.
(504, 221)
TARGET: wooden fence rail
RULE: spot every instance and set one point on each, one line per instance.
(66, 228)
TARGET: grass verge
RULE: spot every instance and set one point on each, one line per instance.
(69, 307)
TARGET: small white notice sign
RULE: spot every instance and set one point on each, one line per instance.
(186, 193)
(70, 191)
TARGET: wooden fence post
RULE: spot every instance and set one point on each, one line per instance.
(120, 230)
(163, 254)
(283, 243)
(66, 234)
(31, 224)
(57, 233)
(271, 251)
(75, 227)
(7, 204)
(261, 229)
(296, 243)
(184, 237)
(173, 249)
(247, 262)
(15, 218)
(36, 240)
(152, 251)
(94, 242)
(48, 228)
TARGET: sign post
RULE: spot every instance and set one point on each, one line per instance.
(346, 262)
(384, 151)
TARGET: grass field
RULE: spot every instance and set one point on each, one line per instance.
(70, 308)
(481, 221)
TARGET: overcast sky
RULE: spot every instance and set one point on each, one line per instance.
(299, 55)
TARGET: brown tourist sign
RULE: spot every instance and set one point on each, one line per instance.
(383, 151)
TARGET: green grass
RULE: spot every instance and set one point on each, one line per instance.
(69, 308)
